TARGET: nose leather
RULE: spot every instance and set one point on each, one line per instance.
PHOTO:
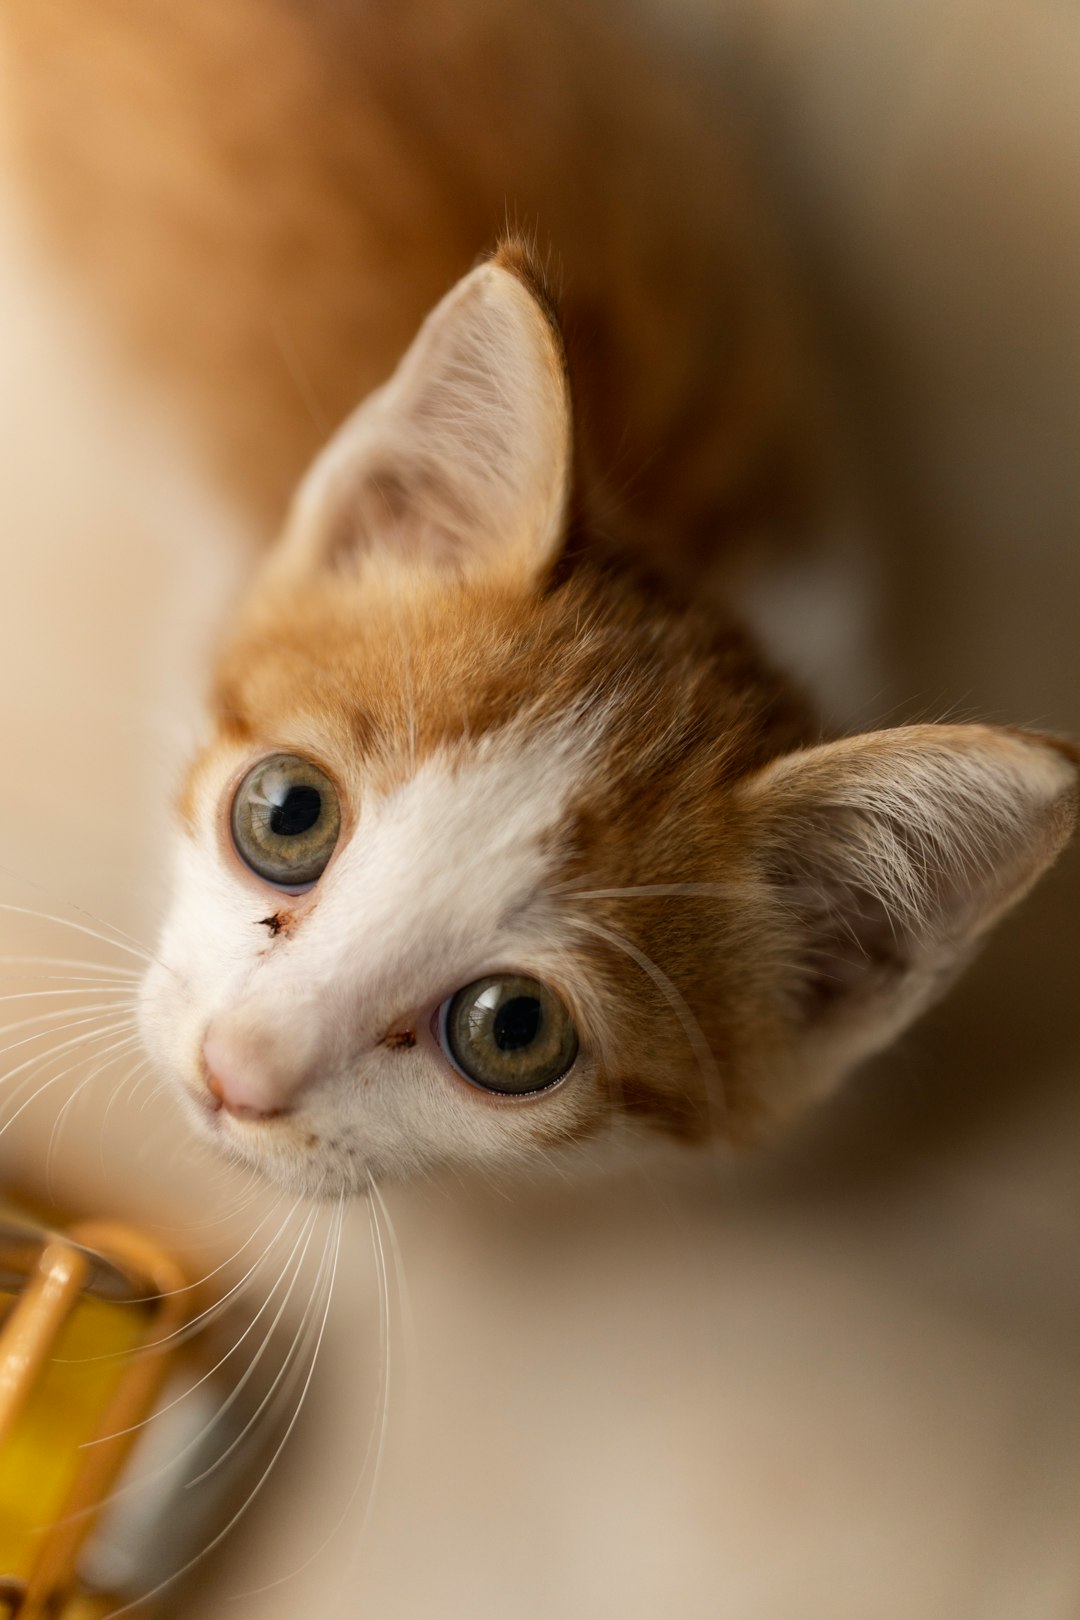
(250, 1074)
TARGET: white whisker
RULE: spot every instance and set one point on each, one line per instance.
(714, 1086)
(378, 1428)
(102, 969)
(39, 1058)
(102, 990)
(657, 890)
(250, 1369)
(101, 1063)
(268, 1470)
(217, 1308)
(133, 948)
(92, 1009)
(191, 1388)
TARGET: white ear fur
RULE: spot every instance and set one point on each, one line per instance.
(463, 458)
(887, 857)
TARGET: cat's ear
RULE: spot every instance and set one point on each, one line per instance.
(883, 860)
(463, 459)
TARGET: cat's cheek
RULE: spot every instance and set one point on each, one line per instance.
(170, 1047)
(153, 1018)
(490, 1131)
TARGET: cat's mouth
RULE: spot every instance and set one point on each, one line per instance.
(285, 1150)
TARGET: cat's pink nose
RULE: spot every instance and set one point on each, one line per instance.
(244, 1080)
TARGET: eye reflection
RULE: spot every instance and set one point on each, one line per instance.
(286, 820)
(508, 1033)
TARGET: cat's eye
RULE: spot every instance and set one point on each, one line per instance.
(286, 820)
(508, 1033)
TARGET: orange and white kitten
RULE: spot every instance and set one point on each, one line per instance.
(506, 839)
(499, 848)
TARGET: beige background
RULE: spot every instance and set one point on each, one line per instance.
(844, 1382)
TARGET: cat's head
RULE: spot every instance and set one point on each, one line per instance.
(492, 852)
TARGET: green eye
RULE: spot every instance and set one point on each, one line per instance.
(286, 820)
(508, 1034)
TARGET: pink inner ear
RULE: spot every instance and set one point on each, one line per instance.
(851, 948)
(893, 853)
(410, 509)
(463, 457)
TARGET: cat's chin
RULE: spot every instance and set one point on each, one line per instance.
(313, 1170)
(313, 1184)
(322, 1178)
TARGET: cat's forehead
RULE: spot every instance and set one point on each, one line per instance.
(383, 654)
(463, 686)
(386, 673)
(374, 673)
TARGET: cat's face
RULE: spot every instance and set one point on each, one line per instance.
(431, 959)
(483, 862)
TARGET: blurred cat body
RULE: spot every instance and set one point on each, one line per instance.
(495, 626)
(270, 197)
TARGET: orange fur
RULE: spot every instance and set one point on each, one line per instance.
(699, 710)
(734, 911)
(749, 911)
(270, 197)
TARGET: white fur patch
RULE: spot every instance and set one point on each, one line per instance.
(441, 880)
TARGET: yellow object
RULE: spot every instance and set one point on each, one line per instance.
(88, 1322)
(40, 1457)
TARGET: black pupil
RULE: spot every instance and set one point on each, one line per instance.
(297, 813)
(517, 1023)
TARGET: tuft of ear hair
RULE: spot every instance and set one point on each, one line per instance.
(461, 461)
(885, 858)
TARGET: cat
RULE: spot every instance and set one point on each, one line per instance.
(497, 850)
(507, 843)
